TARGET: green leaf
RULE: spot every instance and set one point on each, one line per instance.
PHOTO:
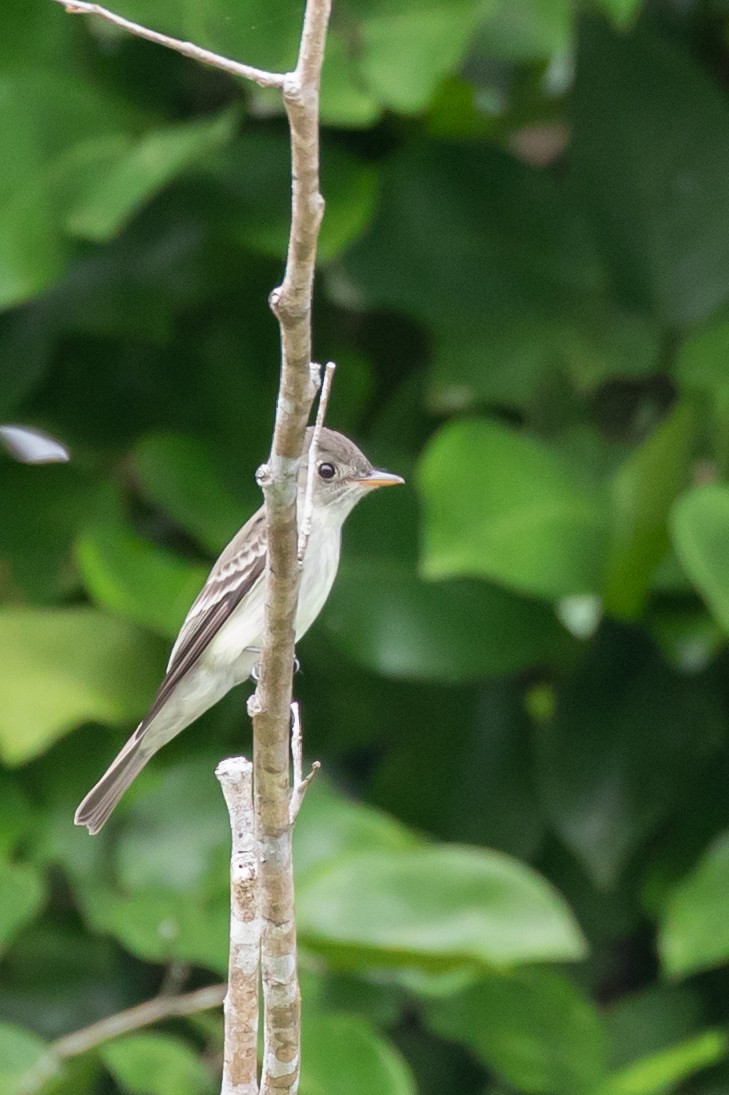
(156, 925)
(501, 505)
(344, 101)
(701, 371)
(104, 206)
(533, 1027)
(136, 579)
(45, 506)
(642, 492)
(473, 784)
(661, 1072)
(687, 636)
(402, 51)
(529, 31)
(22, 893)
(68, 1077)
(618, 756)
(185, 477)
(436, 906)
(254, 174)
(701, 360)
(54, 116)
(661, 212)
(651, 1020)
(333, 826)
(390, 621)
(66, 666)
(502, 242)
(700, 528)
(694, 932)
(34, 36)
(59, 978)
(155, 1064)
(20, 1051)
(345, 1053)
(16, 814)
(621, 12)
(147, 847)
(25, 352)
(509, 360)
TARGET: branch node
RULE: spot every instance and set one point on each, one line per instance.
(254, 705)
(314, 378)
(318, 206)
(291, 88)
(264, 477)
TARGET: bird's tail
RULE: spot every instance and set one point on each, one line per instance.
(101, 799)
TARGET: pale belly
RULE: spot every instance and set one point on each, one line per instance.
(236, 647)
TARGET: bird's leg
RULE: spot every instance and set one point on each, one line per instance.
(256, 670)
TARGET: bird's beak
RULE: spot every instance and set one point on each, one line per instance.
(380, 479)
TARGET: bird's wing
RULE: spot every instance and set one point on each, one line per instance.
(236, 572)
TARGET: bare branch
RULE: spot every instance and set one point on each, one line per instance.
(297, 743)
(240, 1063)
(291, 303)
(300, 783)
(123, 1022)
(188, 49)
(305, 524)
(143, 1015)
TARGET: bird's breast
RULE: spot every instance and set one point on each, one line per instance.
(320, 569)
(229, 651)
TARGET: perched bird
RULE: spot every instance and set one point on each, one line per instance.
(220, 641)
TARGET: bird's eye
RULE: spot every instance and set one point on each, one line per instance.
(327, 471)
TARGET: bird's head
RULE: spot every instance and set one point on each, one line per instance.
(343, 474)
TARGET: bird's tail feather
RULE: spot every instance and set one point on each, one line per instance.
(95, 809)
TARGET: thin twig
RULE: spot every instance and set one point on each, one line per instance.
(305, 529)
(297, 743)
(143, 1015)
(300, 783)
(240, 1061)
(123, 1022)
(188, 49)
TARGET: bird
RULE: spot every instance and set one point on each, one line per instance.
(219, 643)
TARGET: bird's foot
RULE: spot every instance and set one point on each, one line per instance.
(256, 670)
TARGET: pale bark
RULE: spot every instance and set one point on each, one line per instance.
(291, 303)
(240, 1058)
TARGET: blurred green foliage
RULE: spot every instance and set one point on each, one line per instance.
(513, 875)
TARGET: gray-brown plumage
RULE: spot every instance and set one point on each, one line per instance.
(219, 642)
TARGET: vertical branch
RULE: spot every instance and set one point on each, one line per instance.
(240, 1062)
(291, 303)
